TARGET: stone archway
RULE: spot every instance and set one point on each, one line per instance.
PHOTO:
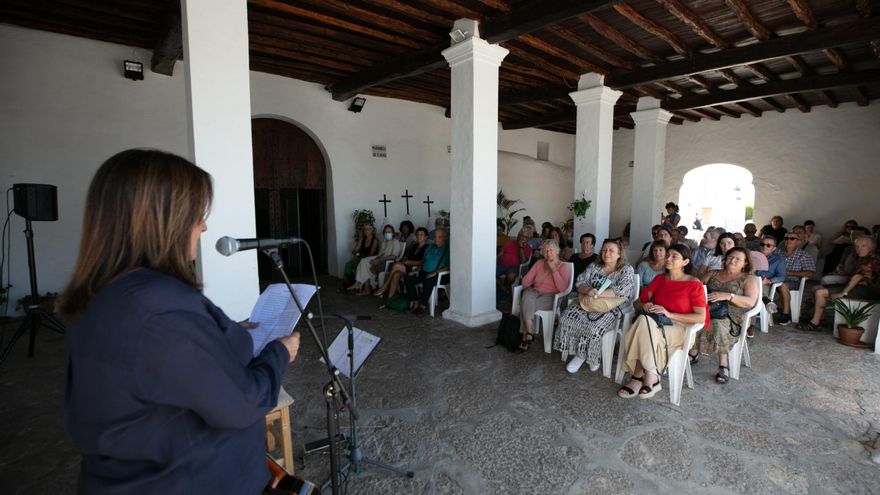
(718, 194)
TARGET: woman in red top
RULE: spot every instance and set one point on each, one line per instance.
(679, 297)
(547, 277)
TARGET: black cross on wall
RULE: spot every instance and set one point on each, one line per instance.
(429, 203)
(385, 202)
(406, 197)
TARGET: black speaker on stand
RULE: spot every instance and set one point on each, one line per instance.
(34, 202)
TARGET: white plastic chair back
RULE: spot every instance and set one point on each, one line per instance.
(765, 315)
(739, 353)
(442, 284)
(679, 366)
(548, 317)
(796, 297)
(615, 336)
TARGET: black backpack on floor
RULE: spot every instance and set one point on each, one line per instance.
(508, 332)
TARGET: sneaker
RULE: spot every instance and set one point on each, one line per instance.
(750, 333)
(771, 307)
(783, 319)
(594, 367)
(575, 364)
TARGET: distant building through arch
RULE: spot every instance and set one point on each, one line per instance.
(719, 194)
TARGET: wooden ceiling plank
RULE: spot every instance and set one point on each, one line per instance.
(328, 53)
(294, 55)
(828, 98)
(535, 94)
(319, 32)
(836, 58)
(779, 107)
(864, 7)
(540, 62)
(414, 12)
(392, 24)
(706, 114)
(347, 49)
(803, 12)
(652, 27)
(592, 49)
(861, 96)
(747, 108)
(798, 102)
(749, 19)
(686, 116)
(775, 88)
(457, 10)
(619, 38)
(330, 20)
(675, 88)
(732, 77)
(798, 63)
(726, 111)
(523, 20)
(693, 21)
(702, 82)
(750, 55)
(169, 44)
(649, 91)
(582, 64)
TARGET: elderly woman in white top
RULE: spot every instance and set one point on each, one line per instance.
(389, 249)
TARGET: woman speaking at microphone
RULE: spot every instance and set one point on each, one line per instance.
(162, 394)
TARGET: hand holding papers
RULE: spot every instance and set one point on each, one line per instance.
(276, 313)
(604, 284)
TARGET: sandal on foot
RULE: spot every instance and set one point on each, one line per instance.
(647, 392)
(808, 326)
(627, 393)
(695, 358)
(723, 375)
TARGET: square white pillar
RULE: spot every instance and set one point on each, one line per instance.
(592, 158)
(650, 160)
(474, 178)
(215, 41)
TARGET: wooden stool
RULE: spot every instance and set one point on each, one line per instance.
(282, 435)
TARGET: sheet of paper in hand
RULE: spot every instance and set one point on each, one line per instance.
(364, 343)
(276, 313)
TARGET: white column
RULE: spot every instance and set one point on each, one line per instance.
(592, 158)
(215, 40)
(650, 160)
(474, 64)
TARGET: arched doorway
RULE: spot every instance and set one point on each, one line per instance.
(290, 195)
(719, 194)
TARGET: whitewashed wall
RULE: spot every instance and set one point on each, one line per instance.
(821, 165)
(65, 108)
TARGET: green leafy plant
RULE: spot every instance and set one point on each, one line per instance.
(579, 207)
(361, 218)
(750, 212)
(508, 213)
(851, 315)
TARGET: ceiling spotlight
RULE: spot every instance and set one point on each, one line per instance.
(133, 70)
(458, 35)
(357, 104)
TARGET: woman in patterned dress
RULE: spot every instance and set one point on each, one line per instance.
(580, 333)
(735, 285)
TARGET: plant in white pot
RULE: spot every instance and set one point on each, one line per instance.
(853, 315)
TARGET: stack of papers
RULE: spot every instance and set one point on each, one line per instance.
(277, 314)
(604, 284)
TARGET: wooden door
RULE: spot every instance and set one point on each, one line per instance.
(290, 195)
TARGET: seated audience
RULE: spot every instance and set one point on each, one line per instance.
(439, 223)
(407, 234)
(804, 244)
(841, 240)
(565, 251)
(365, 275)
(706, 248)
(775, 229)
(735, 288)
(847, 266)
(513, 253)
(813, 237)
(624, 236)
(715, 261)
(412, 260)
(753, 241)
(676, 295)
(797, 264)
(864, 283)
(586, 255)
(672, 217)
(500, 234)
(545, 279)
(546, 227)
(659, 233)
(365, 246)
(683, 239)
(653, 266)
(580, 332)
(435, 260)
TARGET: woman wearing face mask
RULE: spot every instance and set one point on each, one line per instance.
(389, 249)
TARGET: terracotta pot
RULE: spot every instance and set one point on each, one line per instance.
(849, 336)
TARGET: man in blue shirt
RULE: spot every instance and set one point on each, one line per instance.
(707, 247)
(797, 264)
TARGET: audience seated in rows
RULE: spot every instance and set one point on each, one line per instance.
(705, 249)
(565, 250)
(658, 233)
(734, 291)
(513, 253)
(580, 332)
(715, 261)
(675, 295)
(365, 246)
(369, 267)
(797, 264)
(840, 241)
(813, 237)
(654, 265)
(585, 255)
(863, 282)
(752, 240)
(775, 229)
(412, 260)
(435, 260)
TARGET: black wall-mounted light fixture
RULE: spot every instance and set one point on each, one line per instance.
(357, 104)
(133, 70)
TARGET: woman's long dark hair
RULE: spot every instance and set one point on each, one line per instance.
(140, 212)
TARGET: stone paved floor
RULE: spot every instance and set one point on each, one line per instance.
(473, 420)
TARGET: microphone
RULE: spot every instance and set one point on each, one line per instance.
(227, 246)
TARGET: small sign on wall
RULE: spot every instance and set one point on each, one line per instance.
(379, 151)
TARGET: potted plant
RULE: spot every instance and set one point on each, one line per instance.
(850, 332)
(361, 218)
(579, 207)
(506, 204)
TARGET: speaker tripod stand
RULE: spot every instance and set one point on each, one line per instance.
(36, 315)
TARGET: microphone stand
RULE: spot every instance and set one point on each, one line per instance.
(334, 392)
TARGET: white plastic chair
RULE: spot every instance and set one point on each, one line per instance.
(545, 319)
(796, 296)
(384, 273)
(442, 284)
(739, 353)
(679, 365)
(765, 315)
(615, 335)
